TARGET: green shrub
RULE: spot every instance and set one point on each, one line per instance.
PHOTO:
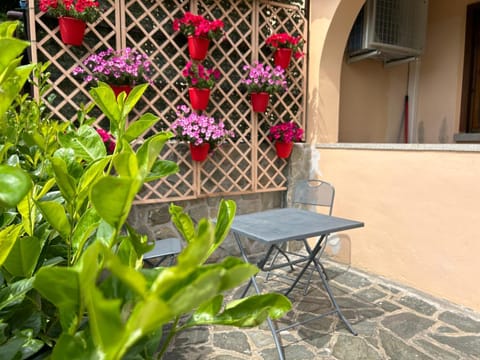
(72, 282)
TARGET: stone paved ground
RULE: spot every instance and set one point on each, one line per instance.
(393, 322)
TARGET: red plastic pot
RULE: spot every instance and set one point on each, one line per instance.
(117, 89)
(199, 152)
(282, 57)
(260, 101)
(198, 47)
(72, 30)
(284, 149)
(199, 98)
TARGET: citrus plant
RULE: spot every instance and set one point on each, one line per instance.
(72, 282)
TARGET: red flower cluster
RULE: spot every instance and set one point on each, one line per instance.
(197, 25)
(86, 10)
(284, 40)
(199, 76)
(285, 132)
(108, 140)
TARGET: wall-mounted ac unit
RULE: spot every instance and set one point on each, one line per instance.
(389, 30)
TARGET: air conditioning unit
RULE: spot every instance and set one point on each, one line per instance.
(389, 30)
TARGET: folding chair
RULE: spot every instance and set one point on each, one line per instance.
(315, 195)
(164, 249)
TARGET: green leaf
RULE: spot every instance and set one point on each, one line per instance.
(14, 294)
(74, 168)
(12, 76)
(138, 242)
(235, 272)
(182, 222)
(201, 288)
(20, 346)
(13, 48)
(7, 29)
(44, 189)
(23, 257)
(128, 275)
(112, 198)
(26, 208)
(146, 317)
(138, 127)
(208, 310)
(147, 153)
(91, 174)
(8, 237)
(65, 294)
(105, 234)
(105, 99)
(14, 185)
(65, 182)
(196, 253)
(225, 216)
(4, 150)
(85, 227)
(125, 163)
(105, 322)
(246, 312)
(86, 143)
(56, 216)
(77, 347)
(147, 346)
(132, 98)
(162, 168)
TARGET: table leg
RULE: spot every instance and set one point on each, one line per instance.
(313, 258)
(253, 282)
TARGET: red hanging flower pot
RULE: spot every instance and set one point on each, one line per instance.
(282, 57)
(72, 30)
(198, 47)
(199, 152)
(284, 149)
(259, 101)
(199, 98)
(117, 89)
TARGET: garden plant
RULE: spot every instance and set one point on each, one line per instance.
(72, 282)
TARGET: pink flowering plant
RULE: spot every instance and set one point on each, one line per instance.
(264, 78)
(198, 129)
(107, 139)
(285, 132)
(123, 67)
(86, 10)
(284, 40)
(199, 76)
(196, 25)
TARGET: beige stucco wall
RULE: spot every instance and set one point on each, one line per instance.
(421, 214)
(371, 95)
(419, 205)
(372, 102)
(330, 24)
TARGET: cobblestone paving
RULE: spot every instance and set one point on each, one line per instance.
(393, 322)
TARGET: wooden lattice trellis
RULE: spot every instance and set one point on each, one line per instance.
(246, 164)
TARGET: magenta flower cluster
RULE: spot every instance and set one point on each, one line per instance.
(124, 67)
(284, 40)
(198, 76)
(285, 132)
(191, 24)
(264, 78)
(108, 140)
(198, 129)
(86, 10)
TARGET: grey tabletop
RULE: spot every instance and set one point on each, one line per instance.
(278, 225)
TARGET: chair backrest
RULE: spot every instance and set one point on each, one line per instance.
(315, 193)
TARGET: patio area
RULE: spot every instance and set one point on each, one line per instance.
(392, 321)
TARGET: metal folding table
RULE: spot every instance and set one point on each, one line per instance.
(280, 225)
